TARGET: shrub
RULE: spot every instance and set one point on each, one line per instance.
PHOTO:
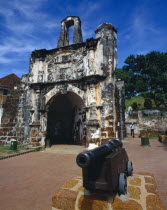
(134, 106)
(147, 103)
(139, 105)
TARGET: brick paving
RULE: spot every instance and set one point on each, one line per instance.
(152, 160)
(28, 182)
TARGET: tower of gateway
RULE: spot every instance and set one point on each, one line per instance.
(70, 95)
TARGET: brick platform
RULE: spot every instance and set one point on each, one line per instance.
(142, 194)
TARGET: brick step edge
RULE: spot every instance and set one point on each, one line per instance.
(22, 153)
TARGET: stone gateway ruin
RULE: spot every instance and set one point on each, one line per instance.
(70, 95)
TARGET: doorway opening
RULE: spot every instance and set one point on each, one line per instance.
(66, 117)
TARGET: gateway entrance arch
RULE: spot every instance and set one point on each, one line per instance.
(66, 119)
(70, 94)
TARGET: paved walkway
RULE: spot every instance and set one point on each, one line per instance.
(28, 182)
(152, 160)
(65, 149)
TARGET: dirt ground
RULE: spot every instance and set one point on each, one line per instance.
(28, 182)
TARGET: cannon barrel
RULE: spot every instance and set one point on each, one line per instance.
(84, 159)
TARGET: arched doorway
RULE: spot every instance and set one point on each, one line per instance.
(66, 117)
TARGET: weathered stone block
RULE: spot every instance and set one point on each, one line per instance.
(103, 134)
(64, 199)
(135, 192)
(70, 184)
(91, 202)
(110, 117)
(34, 144)
(76, 80)
(34, 133)
(153, 202)
(136, 181)
(129, 205)
(151, 188)
(149, 180)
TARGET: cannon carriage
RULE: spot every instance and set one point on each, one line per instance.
(105, 169)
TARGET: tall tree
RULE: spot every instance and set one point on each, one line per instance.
(146, 75)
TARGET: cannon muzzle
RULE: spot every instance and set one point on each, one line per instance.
(84, 159)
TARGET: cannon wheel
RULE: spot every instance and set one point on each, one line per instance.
(129, 168)
(122, 184)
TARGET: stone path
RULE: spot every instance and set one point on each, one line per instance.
(29, 181)
(65, 149)
(150, 160)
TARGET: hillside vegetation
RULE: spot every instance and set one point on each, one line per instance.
(138, 99)
(145, 75)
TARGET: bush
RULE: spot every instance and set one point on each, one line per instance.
(134, 106)
(147, 103)
(139, 105)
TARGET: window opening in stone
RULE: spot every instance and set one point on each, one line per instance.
(71, 34)
(65, 124)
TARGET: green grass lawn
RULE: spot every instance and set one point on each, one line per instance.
(153, 137)
(4, 148)
(140, 101)
(137, 99)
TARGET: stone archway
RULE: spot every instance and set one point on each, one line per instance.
(65, 119)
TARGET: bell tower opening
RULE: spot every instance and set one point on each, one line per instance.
(66, 117)
(69, 23)
(71, 34)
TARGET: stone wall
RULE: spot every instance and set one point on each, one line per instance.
(158, 123)
(81, 76)
(9, 126)
(151, 121)
(121, 107)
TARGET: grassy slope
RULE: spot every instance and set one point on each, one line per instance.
(137, 99)
(140, 100)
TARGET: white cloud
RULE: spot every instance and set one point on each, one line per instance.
(4, 60)
(25, 17)
(19, 47)
(25, 27)
(29, 27)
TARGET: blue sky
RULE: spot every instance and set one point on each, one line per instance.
(26, 25)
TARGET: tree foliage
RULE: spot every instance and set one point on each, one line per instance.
(147, 103)
(146, 75)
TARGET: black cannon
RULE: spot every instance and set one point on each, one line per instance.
(105, 168)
